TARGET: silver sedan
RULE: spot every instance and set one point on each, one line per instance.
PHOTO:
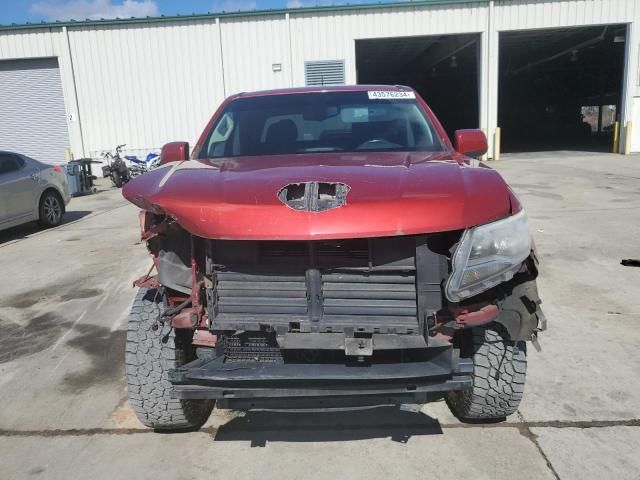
(31, 190)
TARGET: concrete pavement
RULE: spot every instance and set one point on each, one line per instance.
(65, 293)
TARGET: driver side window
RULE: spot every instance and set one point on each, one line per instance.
(219, 139)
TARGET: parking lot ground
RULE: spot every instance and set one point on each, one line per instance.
(65, 294)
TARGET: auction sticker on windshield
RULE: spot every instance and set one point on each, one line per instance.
(389, 94)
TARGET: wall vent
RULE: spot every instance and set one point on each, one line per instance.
(327, 72)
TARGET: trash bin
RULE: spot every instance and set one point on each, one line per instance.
(80, 176)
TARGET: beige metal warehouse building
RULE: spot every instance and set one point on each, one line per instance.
(551, 73)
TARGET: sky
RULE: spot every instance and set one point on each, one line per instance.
(23, 11)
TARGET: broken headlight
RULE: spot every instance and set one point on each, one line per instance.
(488, 255)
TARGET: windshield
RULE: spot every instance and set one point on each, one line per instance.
(321, 122)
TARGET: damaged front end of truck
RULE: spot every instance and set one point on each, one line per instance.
(321, 323)
(299, 282)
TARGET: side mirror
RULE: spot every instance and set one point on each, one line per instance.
(472, 143)
(174, 152)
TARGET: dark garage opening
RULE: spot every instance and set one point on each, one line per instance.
(560, 89)
(442, 69)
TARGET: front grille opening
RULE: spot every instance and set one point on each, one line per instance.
(262, 347)
(251, 347)
(372, 254)
(356, 249)
(283, 249)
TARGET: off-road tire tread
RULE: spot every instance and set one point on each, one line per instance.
(498, 377)
(148, 358)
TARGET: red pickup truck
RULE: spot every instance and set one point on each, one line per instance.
(329, 247)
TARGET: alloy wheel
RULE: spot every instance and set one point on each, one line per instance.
(52, 209)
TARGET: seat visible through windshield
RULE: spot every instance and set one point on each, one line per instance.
(320, 122)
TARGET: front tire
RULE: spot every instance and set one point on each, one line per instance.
(51, 209)
(150, 354)
(116, 178)
(499, 372)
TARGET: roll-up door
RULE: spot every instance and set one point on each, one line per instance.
(33, 120)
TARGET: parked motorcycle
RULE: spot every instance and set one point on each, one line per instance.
(142, 166)
(115, 167)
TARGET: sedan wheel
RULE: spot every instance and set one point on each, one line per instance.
(51, 210)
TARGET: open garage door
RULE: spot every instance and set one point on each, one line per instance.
(560, 89)
(32, 108)
(442, 69)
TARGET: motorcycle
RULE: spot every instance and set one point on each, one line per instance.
(116, 167)
(142, 166)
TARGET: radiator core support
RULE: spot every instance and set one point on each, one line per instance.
(353, 286)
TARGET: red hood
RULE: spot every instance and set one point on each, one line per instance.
(390, 194)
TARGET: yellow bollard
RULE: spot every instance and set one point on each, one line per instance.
(496, 144)
(485, 156)
(627, 137)
(616, 137)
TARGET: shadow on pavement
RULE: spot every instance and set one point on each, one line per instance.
(260, 427)
(23, 231)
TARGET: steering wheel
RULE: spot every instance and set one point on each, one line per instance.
(378, 143)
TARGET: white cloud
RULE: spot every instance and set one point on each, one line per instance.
(295, 4)
(94, 9)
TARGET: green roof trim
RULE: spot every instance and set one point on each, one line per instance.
(248, 13)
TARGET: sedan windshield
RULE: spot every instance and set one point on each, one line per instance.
(360, 121)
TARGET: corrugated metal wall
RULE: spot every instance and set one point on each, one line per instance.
(251, 46)
(145, 84)
(30, 43)
(521, 15)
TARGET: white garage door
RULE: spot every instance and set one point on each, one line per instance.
(32, 109)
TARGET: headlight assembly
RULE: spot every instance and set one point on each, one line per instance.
(488, 255)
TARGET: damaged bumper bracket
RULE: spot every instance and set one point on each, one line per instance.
(355, 384)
